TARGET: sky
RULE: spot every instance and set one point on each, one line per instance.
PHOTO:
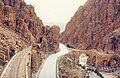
(56, 11)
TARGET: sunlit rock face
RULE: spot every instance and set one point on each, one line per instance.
(16, 15)
(95, 25)
(48, 44)
(17, 18)
(10, 44)
(21, 19)
(68, 66)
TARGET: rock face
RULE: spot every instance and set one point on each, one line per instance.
(21, 18)
(96, 25)
(48, 44)
(67, 67)
(18, 17)
(10, 43)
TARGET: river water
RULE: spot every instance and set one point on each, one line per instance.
(49, 68)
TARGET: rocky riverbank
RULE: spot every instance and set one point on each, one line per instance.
(49, 44)
(69, 67)
(95, 26)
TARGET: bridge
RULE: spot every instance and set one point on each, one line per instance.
(94, 55)
(19, 66)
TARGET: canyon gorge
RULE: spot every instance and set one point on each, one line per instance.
(94, 30)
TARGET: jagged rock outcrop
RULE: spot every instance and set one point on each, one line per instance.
(18, 17)
(67, 67)
(48, 44)
(10, 44)
(95, 26)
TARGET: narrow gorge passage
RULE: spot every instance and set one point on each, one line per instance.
(49, 68)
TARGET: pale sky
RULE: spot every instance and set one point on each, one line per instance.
(55, 11)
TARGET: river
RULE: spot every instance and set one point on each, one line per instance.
(49, 68)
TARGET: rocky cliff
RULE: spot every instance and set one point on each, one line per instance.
(48, 44)
(10, 43)
(20, 26)
(96, 25)
(21, 18)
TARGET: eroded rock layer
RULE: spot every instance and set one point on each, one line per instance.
(20, 19)
(96, 25)
(48, 44)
